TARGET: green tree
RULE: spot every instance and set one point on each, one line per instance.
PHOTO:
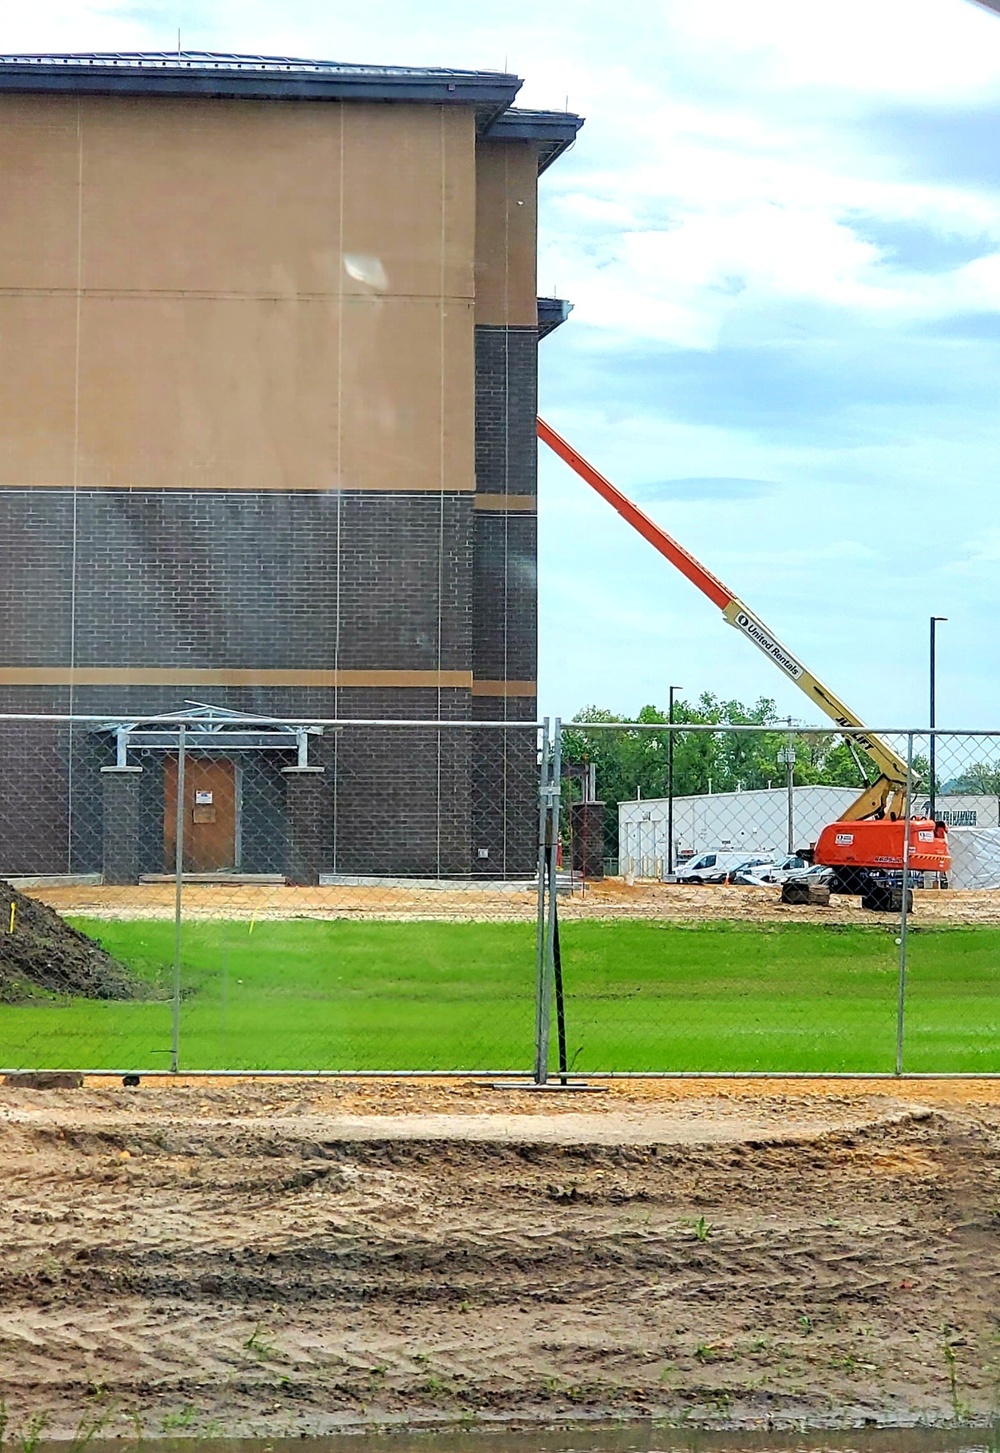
(981, 779)
(630, 763)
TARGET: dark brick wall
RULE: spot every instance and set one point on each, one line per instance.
(505, 794)
(34, 796)
(505, 595)
(212, 578)
(505, 561)
(505, 600)
(506, 409)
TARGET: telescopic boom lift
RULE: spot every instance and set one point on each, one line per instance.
(867, 843)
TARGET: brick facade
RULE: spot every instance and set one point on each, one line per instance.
(294, 474)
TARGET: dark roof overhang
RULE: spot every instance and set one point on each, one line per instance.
(552, 131)
(255, 78)
(552, 312)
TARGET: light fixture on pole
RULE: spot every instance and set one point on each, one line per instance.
(932, 794)
(670, 783)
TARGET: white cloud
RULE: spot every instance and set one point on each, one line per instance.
(925, 50)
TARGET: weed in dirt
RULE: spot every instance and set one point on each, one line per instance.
(257, 1344)
(848, 1364)
(32, 1435)
(88, 1428)
(181, 1420)
(949, 1341)
(702, 1229)
(30, 1438)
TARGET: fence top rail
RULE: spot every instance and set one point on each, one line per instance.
(797, 728)
(135, 721)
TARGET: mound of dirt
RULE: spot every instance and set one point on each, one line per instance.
(40, 952)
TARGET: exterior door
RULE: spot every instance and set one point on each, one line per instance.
(209, 814)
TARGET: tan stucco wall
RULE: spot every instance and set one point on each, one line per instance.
(236, 294)
(506, 233)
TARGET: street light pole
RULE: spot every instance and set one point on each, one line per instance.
(932, 796)
(670, 783)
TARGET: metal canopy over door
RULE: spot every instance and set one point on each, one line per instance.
(210, 814)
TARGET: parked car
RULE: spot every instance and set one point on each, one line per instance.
(752, 873)
(716, 867)
(789, 866)
(816, 874)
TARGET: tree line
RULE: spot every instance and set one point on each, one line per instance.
(628, 762)
(723, 761)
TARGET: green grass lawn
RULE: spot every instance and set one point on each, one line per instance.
(305, 994)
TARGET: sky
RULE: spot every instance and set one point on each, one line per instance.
(780, 232)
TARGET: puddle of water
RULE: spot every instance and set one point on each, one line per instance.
(619, 1438)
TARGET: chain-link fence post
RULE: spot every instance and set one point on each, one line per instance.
(904, 913)
(175, 1042)
(541, 1027)
(551, 926)
(547, 867)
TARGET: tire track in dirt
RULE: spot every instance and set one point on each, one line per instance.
(285, 1274)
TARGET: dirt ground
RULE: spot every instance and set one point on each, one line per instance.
(286, 1257)
(612, 898)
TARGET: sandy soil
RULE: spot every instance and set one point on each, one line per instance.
(613, 898)
(287, 1256)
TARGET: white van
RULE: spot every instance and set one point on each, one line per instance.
(716, 867)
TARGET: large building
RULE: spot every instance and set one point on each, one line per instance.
(268, 334)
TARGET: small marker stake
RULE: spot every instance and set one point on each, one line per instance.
(253, 920)
(13, 915)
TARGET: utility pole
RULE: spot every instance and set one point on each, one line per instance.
(932, 798)
(670, 782)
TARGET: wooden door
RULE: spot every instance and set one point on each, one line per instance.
(209, 812)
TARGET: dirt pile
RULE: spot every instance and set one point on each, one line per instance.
(264, 1259)
(41, 954)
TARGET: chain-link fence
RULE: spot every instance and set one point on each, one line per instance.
(269, 894)
(222, 892)
(732, 905)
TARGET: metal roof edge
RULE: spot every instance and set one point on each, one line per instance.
(254, 78)
(552, 313)
(554, 131)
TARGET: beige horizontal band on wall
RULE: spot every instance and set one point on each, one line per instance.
(239, 676)
(225, 676)
(527, 503)
(398, 486)
(504, 688)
